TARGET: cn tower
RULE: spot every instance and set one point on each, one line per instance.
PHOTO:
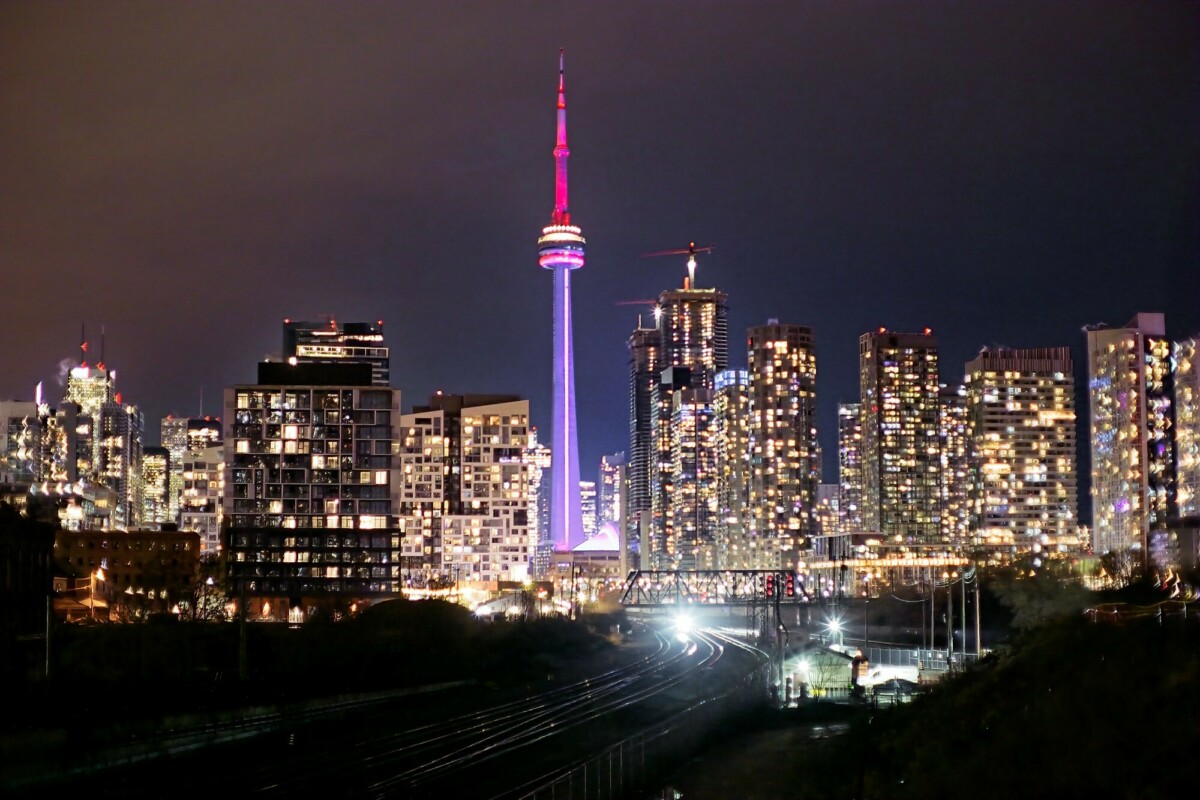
(560, 249)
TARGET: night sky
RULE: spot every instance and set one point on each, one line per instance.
(187, 175)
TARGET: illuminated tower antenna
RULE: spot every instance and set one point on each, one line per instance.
(560, 249)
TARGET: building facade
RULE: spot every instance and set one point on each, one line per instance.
(693, 330)
(1132, 416)
(655, 545)
(466, 496)
(850, 472)
(1021, 411)
(691, 508)
(20, 437)
(311, 485)
(172, 434)
(113, 432)
(612, 489)
(1186, 362)
(201, 510)
(156, 488)
(736, 547)
(645, 367)
(333, 342)
(784, 464)
(588, 507)
(829, 517)
(954, 473)
(898, 380)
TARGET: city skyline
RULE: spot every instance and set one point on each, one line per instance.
(850, 175)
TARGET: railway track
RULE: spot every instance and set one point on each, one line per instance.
(415, 761)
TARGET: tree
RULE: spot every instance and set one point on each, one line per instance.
(1122, 567)
(206, 599)
(1038, 592)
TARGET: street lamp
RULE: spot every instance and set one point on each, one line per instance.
(835, 626)
(97, 575)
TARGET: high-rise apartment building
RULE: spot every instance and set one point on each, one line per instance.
(113, 432)
(587, 507)
(333, 342)
(898, 380)
(311, 486)
(850, 473)
(20, 436)
(466, 497)
(655, 544)
(1186, 359)
(612, 489)
(783, 437)
(829, 517)
(538, 458)
(65, 448)
(172, 434)
(736, 549)
(1132, 417)
(688, 541)
(693, 330)
(1021, 411)
(954, 473)
(156, 479)
(645, 368)
(200, 508)
(202, 482)
(184, 436)
(693, 341)
(90, 388)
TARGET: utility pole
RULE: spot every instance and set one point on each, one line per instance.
(781, 633)
(242, 671)
(922, 620)
(978, 649)
(49, 605)
(932, 612)
(963, 579)
(949, 623)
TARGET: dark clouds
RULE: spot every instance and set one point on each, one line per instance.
(190, 174)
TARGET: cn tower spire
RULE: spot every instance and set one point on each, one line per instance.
(562, 214)
(560, 250)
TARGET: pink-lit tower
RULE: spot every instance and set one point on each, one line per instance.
(560, 249)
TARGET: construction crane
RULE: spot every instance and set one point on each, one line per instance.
(690, 251)
(657, 308)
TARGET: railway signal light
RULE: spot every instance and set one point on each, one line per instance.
(770, 586)
(790, 584)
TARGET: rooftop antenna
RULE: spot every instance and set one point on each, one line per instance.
(690, 251)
